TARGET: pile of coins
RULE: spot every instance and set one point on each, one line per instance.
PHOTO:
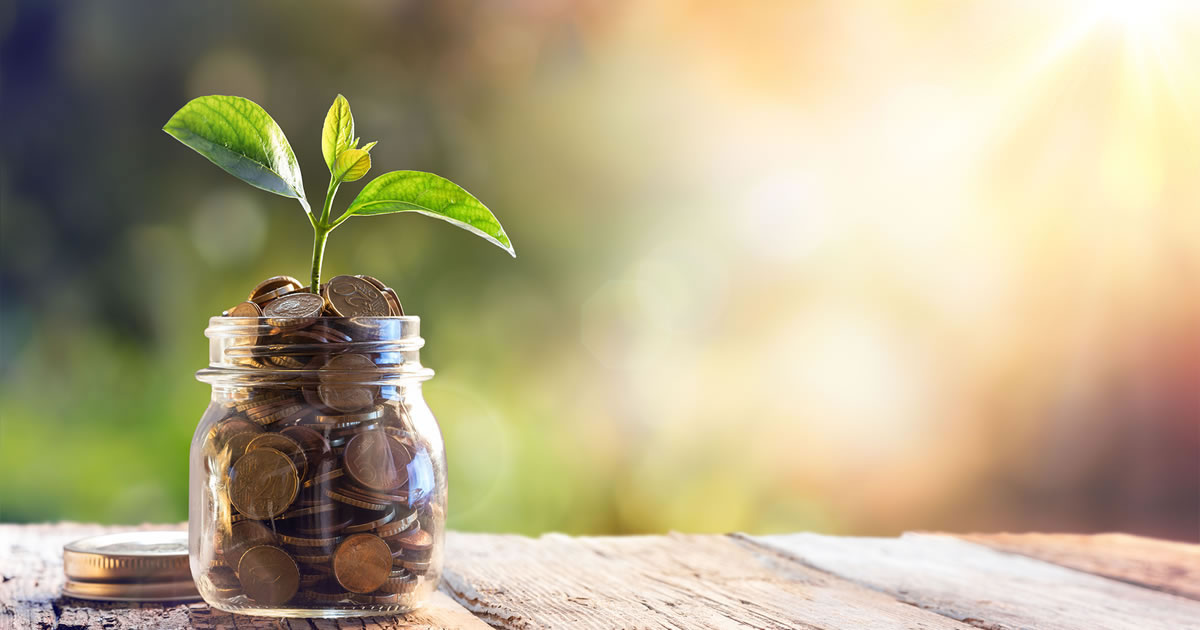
(323, 490)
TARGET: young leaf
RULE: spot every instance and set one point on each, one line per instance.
(338, 131)
(240, 137)
(351, 165)
(415, 191)
(369, 146)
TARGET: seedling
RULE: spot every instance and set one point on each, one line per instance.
(240, 137)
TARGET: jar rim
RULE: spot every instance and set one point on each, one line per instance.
(241, 350)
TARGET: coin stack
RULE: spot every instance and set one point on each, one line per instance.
(321, 485)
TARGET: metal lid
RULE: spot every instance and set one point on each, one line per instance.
(130, 566)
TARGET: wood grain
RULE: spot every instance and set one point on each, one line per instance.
(674, 581)
(31, 580)
(1172, 567)
(987, 588)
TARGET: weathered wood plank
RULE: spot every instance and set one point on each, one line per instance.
(676, 581)
(987, 588)
(31, 580)
(1172, 567)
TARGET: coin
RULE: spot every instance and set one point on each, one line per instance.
(419, 568)
(314, 444)
(373, 496)
(374, 523)
(375, 282)
(338, 495)
(416, 540)
(230, 438)
(326, 524)
(332, 334)
(245, 309)
(224, 581)
(400, 580)
(285, 445)
(398, 526)
(362, 563)
(268, 575)
(341, 379)
(349, 419)
(324, 477)
(294, 310)
(354, 297)
(393, 302)
(305, 541)
(263, 483)
(273, 284)
(243, 536)
(375, 460)
(309, 511)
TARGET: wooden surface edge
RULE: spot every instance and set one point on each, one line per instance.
(984, 587)
(1163, 565)
(31, 597)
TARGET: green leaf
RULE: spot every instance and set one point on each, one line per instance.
(351, 165)
(369, 146)
(415, 191)
(240, 137)
(338, 132)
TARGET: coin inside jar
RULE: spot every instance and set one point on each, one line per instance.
(341, 379)
(263, 291)
(375, 460)
(362, 563)
(350, 296)
(285, 445)
(294, 310)
(268, 575)
(263, 483)
(230, 438)
(244, 535)
(245, 309)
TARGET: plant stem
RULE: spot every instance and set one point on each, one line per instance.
(319, 236)
(329, 193)
(321, 230)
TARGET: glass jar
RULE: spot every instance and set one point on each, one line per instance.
(318, 473)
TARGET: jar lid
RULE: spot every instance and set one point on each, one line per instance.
(130, 566)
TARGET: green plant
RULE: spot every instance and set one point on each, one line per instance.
(240, 137)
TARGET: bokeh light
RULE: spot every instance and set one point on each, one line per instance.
(855, 267)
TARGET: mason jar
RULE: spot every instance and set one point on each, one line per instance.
(318, 472)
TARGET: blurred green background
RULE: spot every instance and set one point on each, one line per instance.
(852, 267)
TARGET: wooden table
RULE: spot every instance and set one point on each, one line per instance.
(809, 581)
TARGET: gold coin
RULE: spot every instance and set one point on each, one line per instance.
(277, 283)
(245, 309)
(341, 379)
(375, 282)
(263, 483)
(362, 563)
(354, 297)
(393, 302)
(294, 310)
(246, 534)
(268, 575)
(230, 438)
(285, 445)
